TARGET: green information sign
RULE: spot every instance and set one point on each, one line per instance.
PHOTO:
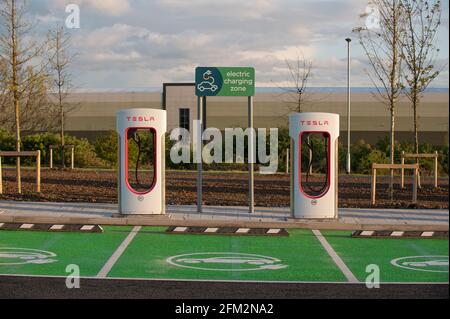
(227, 81)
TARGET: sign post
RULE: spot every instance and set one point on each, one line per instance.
(226, 81)
(199, 155)
(251, 158)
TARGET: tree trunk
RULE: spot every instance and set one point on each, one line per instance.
(416, 125)
(16, 97)
(392, 155)
(63, 162)
(416, 134)
(18, 142)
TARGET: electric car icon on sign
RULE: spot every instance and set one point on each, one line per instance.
(205, 85)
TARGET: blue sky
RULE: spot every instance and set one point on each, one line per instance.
(125, 44)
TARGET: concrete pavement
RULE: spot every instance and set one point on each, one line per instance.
(349, 218)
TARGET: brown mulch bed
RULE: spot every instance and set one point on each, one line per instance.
(228, 189)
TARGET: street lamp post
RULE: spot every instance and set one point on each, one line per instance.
(348, 107)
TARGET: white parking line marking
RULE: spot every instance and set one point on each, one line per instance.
(397, 234)
(427, 234)
(57, 227)
(120, 250)
(337, 260)
(367, 233)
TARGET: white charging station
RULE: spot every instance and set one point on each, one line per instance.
(314, 174)
(141, 161)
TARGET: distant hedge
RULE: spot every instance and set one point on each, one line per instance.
(103, 152)
(85, 155)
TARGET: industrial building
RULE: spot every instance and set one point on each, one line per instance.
(95, 113)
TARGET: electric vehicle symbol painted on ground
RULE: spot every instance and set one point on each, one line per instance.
(222, 261)
(437, 264)
(427, 263)
(21, 256)
(229, 260)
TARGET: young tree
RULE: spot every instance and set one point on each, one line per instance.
(20, 56)
(299, 74)
(419, 51)
(382, 46)
(60, 60)
(3, 91)
(297, 96)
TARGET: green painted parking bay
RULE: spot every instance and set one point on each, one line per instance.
(46, 253)
(151, 253)
(154, 254)
(398, 259)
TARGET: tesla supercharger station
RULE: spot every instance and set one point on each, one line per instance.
(314, 174)
(141, 161)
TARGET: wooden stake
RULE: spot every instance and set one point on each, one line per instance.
(72, 158)
(403, 170)
(38, 171)
(51, 157)
(436, 163)
(374, 185)
(416, 176)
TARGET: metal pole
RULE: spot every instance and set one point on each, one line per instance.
(348, 107)
(251, 158)
(292, 183)
(199, 155)
(288, 158)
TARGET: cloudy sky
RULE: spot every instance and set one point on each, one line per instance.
(126, 44)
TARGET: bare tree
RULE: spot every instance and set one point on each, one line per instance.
(60, 60)
(36, 113)
(20, 54)
(382, 46)
(299, 74)
(419, 51)
(296, 93)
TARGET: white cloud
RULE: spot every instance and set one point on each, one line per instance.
(125, 42)
(254, 9)
(114, 7)
(109, 7)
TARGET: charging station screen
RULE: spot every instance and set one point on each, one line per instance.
(314, 163)
(141, 159)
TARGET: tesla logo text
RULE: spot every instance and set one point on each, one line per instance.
(315, 123)
(141, 119)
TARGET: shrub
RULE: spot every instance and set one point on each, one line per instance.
(103, 152)
(106, 148)
(84, 152)
(85, 155)
(375, 156)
